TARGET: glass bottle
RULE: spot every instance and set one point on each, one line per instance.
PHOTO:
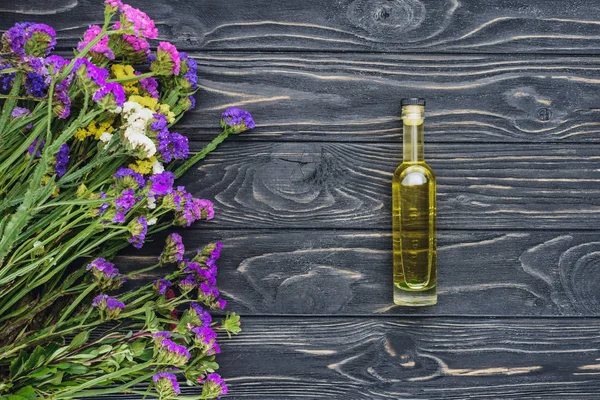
(413, 215)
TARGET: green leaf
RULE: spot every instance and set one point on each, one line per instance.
(104, 349)
(41, 372)
(79, 340)
(16, 364)
(26, 393)
(36, 359)
(77, 369)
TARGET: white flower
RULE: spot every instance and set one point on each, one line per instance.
(151, 221)
(131, 106)
(105, 137)
(151, 202)
(157, 168)
(144, 142)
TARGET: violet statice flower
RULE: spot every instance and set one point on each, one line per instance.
(6, 80)
(123, 204)
(190, 209)
(173, 250)
(138, 229)
(192, 101)
(187, 284)
(167, 60)
(199, 315)
(102, 209)
(170, 352)
(105, 274)
(109, 307)
(161, 286)
(62, 160)
(114, 4)
(237, 120)
(130, 178)
(36, 85)
(15, 38)
(56, 62)
(32, 147)
(40, 41)
(99, 48)
(213, 386)
(160, 124)
(172, 146)
(221, 303)
(166, 385)
(150, 85)
(208, 292)
(160, 336)
(206, 339)
(189, 66)
(62, 101)
(139, 21)
(88, 71)
(18, 112)
(161, 184)
(110, 95)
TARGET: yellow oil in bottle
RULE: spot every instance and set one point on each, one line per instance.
(413, 215)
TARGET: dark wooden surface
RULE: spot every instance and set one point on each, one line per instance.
(303, 201)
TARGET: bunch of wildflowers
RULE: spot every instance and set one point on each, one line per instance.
(92, 162)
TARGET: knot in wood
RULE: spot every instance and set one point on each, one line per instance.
(386, 17)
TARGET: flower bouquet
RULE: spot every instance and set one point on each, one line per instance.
(89, 164)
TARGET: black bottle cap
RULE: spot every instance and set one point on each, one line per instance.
(413, 101)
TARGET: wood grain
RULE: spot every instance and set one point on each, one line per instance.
(416, 358)
(511, 273)
(358, 25)
(356, 97)
(339, 185)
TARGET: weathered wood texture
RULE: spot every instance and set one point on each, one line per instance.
(489, 273)
(416, 358)
(551, 26)
(338, 185)
(355, 97)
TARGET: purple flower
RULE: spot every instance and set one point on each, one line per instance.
(139, 21)
(166, 385)
(206, 338)
(160, 336)
(109, 307)
(105, 268)
(200, 315)
(188, 283)
(160, 124)
(88, 71)
(102, 209)
(115, 4)
(189, 67)
(173, 250)
(41, 41)
(161, 286)
(150, 85)
(172, 146)
(6, 80)
(35, 85)
(221, 303)
(56, 62)
(237, 119)
(173, 353)
(99, 48)
(192, 100)
(18, 112)
(15, 38)
(161, 184)
(130, 178)
(138, 229)
(62, 101)
(116, 92)
(208, 291)
(213, 386)
(62, 160)
(189, 209)
(167, 60)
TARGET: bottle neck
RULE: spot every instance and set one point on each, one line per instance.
(412, 138)
(413, 143)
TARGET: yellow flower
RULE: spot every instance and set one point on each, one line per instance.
(143, 167)
(94, 129)
(120, 71)
(145, 101)
(81, 134)
(165, 110)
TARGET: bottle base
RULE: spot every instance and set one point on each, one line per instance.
(415, 298)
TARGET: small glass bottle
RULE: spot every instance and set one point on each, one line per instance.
(413, 215)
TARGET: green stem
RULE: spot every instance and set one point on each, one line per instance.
(132, 78)
(76, 302)
(201, 154)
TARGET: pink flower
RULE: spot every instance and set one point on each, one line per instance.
(114, 3)
(140, 22)
(101, 47)
(168, 48)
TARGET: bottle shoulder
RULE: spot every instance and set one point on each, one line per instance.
(415, 168)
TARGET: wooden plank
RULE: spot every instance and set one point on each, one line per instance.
(356, 97)
(414, 358)
(513, 273)
(339, 185)
(399, 358)
(358, 25)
